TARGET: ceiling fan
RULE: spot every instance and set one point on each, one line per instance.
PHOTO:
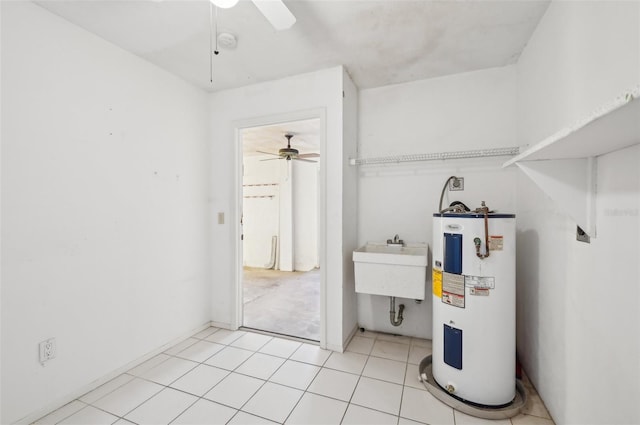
(290, 153)
(275, 11)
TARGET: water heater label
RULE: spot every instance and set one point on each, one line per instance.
(453, 289)
(437, 283)
(486, 282)
(479, 291)
(496, 243)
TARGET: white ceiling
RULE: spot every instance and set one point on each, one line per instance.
(379, 42)
(306, 137)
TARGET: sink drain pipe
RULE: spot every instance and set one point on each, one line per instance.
(392, 312)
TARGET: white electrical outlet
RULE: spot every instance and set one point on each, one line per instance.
(456, 184)
(47, 350)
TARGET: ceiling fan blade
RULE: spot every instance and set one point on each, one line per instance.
(309, 155)
(276, 13)
(271, 159)
(304, 160)
(269, 153)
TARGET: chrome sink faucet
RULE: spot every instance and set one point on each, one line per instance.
(396, 241)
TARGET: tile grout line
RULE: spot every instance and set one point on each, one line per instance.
(267, 380)
(233, 371)
(230, 372)
(286, 386)
(403, 382)
(187, 408)
(68, 416)
(258, 389)
(157, 383)
(377, 379)
(197, 363)
(369, 355)
(357, 383)
(165, 386)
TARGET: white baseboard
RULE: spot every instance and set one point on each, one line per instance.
(223, 326)
(34, 416)
(345, 343)
(353, 333)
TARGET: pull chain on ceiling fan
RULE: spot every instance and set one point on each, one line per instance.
(275, 11)
(211, 39)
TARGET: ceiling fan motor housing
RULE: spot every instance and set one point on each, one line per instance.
(288, 152)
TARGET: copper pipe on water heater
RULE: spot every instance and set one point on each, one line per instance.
(477, 241)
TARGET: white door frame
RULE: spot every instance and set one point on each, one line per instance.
(320, 113)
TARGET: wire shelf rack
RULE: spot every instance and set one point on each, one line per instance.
(396, 159)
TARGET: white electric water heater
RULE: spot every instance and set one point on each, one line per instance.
(474, 292)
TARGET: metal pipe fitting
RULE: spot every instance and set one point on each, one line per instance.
(392, 312)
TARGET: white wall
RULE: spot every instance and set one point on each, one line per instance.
(298, 97)
(350, 117)
(578, 324)
(285, 223)
(262, 219)
(474, 110)
(261, 216)
(104, 225)
(305, 215)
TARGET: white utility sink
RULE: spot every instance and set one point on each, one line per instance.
(391, 270)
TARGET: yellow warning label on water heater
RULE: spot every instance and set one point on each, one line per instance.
(437, 283)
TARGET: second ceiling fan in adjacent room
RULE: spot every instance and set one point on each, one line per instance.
(290, 153)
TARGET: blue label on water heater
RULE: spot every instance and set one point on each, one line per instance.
(453, 347)
(453, 253)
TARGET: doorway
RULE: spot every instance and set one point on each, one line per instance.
(280, 227)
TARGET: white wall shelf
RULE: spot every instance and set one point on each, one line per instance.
(616, 125)
(564, 165)
(396, 159)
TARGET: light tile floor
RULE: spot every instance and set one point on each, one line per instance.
(224, 377)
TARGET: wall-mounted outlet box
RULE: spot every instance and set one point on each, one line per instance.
(47, 350)
(456, 184)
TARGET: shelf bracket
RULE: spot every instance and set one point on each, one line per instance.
(571, 183)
